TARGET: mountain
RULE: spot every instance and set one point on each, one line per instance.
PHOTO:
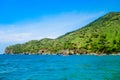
(100, 36)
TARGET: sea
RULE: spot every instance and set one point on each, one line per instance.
(58, 67)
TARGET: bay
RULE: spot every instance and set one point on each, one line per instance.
(57, 67)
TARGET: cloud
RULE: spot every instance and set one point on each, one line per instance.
(13, 37)
(50, 26)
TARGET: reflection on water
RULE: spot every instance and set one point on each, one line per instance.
(39, 67)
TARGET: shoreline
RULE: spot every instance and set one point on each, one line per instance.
(90, 54)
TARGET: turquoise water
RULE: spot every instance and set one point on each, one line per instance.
(39, 67)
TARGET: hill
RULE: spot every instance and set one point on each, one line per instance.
(100, 36)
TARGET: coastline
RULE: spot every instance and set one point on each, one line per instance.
(90, 54)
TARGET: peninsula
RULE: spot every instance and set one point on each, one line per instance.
(102, 36)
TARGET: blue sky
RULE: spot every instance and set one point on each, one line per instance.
(24, 20)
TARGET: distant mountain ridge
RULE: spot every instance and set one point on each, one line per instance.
(101, 36)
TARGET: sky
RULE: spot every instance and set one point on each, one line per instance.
(24, 20)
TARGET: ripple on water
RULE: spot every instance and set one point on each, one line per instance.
(59, 68)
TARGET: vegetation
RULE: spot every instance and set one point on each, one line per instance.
(100, 36)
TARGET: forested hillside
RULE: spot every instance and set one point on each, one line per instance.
(100, 36)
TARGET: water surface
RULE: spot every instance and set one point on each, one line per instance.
(46, 67)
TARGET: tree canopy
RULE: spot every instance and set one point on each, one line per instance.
(100, 36)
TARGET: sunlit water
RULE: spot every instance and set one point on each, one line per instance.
(39, 67)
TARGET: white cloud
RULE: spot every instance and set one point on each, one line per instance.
(13, 37)
(50, 26)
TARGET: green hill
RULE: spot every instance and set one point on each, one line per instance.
(100, 36)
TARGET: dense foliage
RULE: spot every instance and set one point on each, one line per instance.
(100, 36)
